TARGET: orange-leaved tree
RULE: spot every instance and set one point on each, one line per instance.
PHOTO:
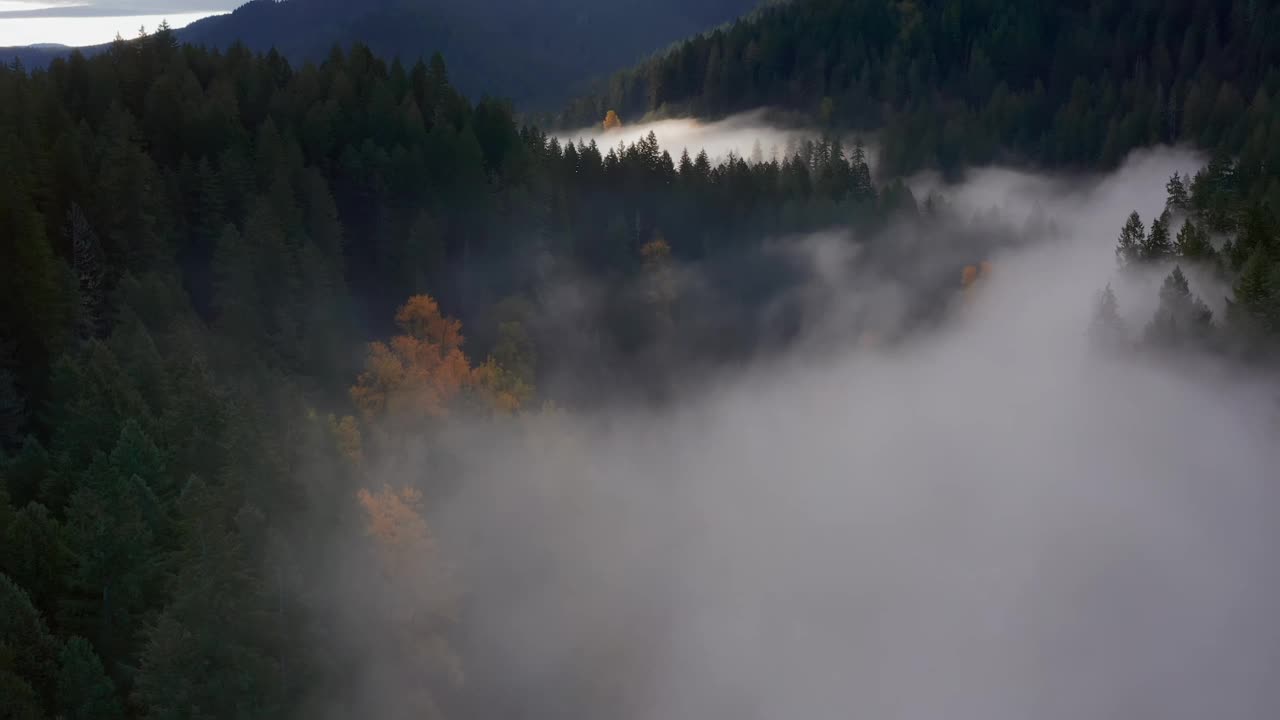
(972, 276)
(659, 277)
(423, 374)
(612, 121)
(421, 598)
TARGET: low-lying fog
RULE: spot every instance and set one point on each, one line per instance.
(991, 522)
(744, 135)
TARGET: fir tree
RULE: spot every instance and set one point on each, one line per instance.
(1193, 243)
(87, 262)
(1107, 330)
(1182, 320)
(1132, 237)
(84, 690)
(1157, 245)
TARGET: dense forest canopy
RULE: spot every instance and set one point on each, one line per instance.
(955, 84)
(264, 322)
(198, 244)
(535, 53)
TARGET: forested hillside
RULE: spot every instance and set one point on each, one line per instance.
(535, 53)
(250, 306)
(952, 84)
(196, 247)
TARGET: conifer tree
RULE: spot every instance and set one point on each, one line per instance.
(1130, 244)
(1182, 321)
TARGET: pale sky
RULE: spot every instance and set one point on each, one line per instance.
(90, 22)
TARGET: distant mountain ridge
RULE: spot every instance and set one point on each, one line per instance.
(534, 53)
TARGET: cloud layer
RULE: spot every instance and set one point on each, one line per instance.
(989, 520)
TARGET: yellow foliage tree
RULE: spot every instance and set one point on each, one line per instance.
(393, 516)
(422, 373)
(612, 121)
(499, 390)
(346, 434)
(972, 275)
(422, 594)
(660, 279)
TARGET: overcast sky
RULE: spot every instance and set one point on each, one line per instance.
(89, 22)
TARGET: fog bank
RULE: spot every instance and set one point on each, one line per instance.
(991, 520)
(741, 134)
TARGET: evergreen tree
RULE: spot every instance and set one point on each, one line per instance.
(84, 690)
(13, 411)
(1193, 243)
(28, 653)
(90, 274)
(1182, 321)
(1256, 292)
(1129, 247)
(1178, 200)
(1157, 245)
(205, 656)
(36, 555)
(1107, 329)
(112, 521)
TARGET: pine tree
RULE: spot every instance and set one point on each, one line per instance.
(1193, 243)
(112, 522)
(136, 455)
(1157, 245)
(1131, 240)
(91, 396)
(87, 262)
(236, 297)
(84, 690)
(35, 302)
(28, 653)
(13, 411)
(25, 471)
(208, 653)
(1178, 200)
(863, 188)
(685, 168)
(35, 555)
(1181, 321)
(1255, 292)
(1107, 330)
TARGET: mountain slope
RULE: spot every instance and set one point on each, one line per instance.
(531, 52)
(955, 83)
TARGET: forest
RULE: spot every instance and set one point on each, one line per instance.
(245, 298)
(957, 84)
(537, 54)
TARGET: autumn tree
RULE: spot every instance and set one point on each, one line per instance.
(612, 121)
(659, 277)
(422, 374)
(417, 374)
(419, 597)
(972, 276)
